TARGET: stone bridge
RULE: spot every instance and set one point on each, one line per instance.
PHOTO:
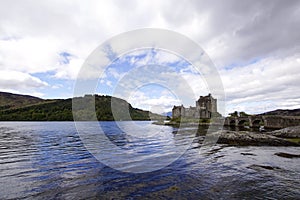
(261, 120)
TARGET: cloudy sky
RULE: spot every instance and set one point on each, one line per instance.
(255, 45)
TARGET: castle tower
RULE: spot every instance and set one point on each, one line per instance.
(206, 106)
(178, 111)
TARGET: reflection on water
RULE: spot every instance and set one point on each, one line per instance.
(135, 147)
(48, 160)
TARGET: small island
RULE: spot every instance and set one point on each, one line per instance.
(267, 129)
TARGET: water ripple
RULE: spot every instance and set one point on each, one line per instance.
(47, 160)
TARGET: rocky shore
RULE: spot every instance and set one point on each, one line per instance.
(246, 138)
(289, 132)
(284, 137)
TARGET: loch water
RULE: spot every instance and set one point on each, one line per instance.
(49, 160)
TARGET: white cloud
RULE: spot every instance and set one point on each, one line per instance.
(20, 82)
(28, 54)
(159, 105)
(70, 70)
(114, 73)
(57, 86)
(271, 79)
(108, 83)
(10, 79)
(234, 34)
(148, 56)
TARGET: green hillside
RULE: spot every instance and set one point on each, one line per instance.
(61, 110)
(11, 101)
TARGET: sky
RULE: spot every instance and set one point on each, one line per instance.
(254, 45)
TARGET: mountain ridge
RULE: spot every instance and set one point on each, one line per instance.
(9, 100)
(15, 107)
(283, 112)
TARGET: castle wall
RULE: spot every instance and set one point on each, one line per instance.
(190, 112)
(205, 107)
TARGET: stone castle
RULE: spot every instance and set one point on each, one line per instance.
(206, 108)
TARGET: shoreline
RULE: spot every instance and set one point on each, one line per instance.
(289, 136)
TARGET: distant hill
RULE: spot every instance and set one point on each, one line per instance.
(10, 101)
(283, 112)
(28, 108)
(167, 114)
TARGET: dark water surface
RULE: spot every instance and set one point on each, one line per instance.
(47, 160)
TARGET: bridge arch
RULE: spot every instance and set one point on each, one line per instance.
(242, 122)
(256, 122)
(232, 122)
